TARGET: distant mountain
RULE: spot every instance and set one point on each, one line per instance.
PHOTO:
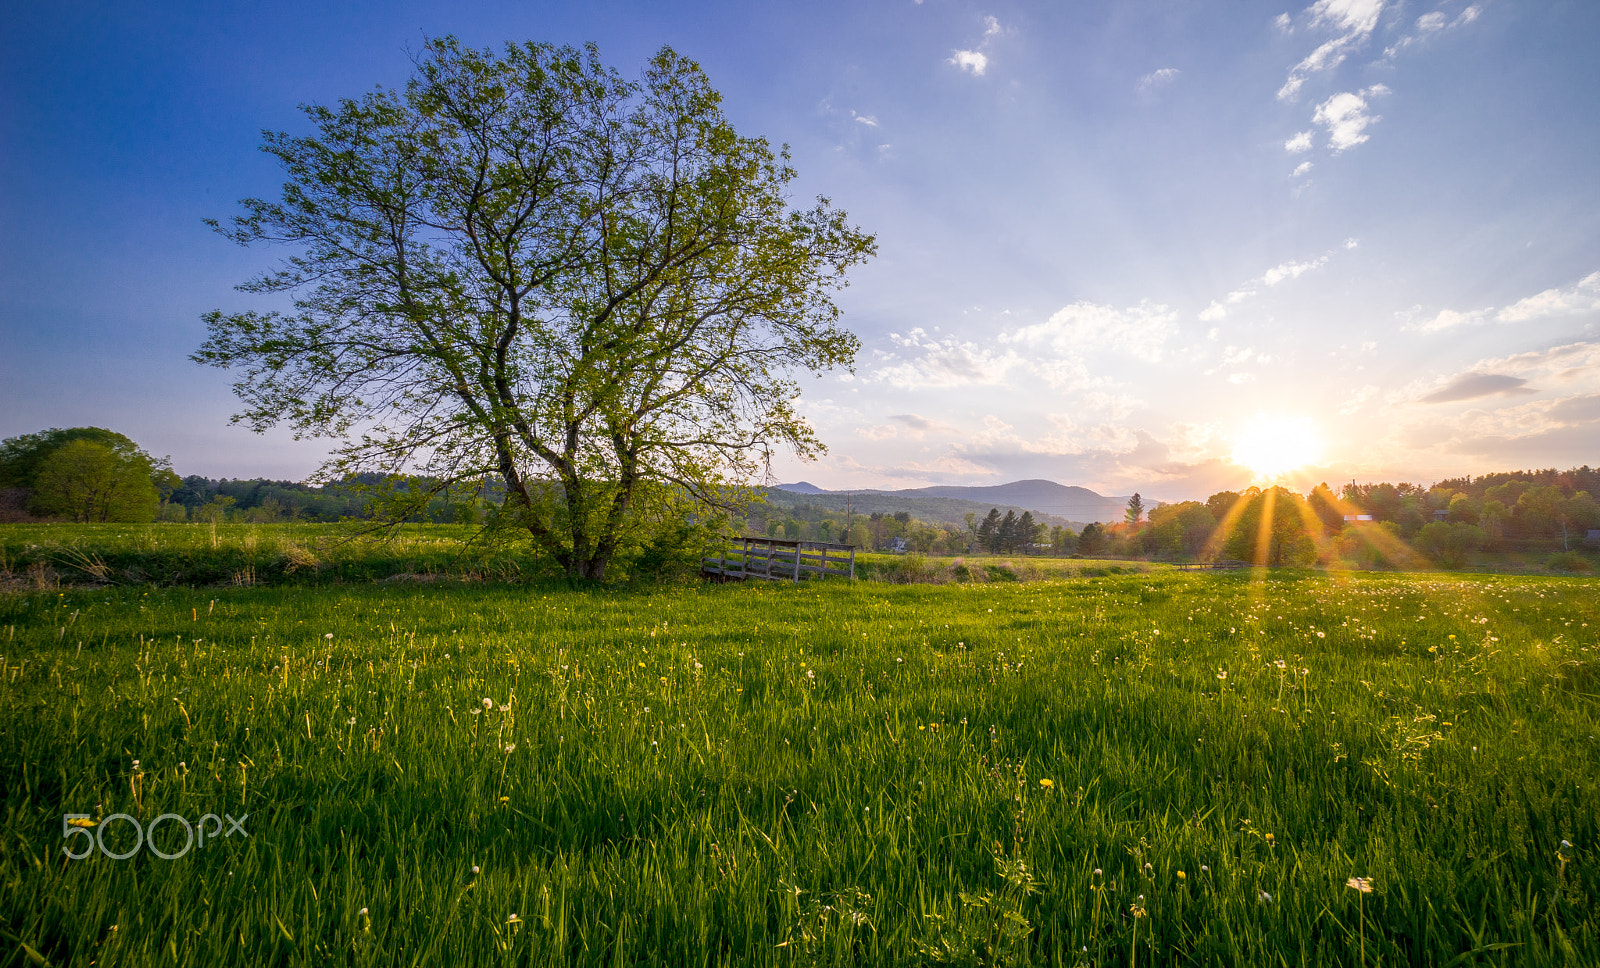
(801, 487)
(1048, 497)
(949, 504)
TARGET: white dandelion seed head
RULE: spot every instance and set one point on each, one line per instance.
(362, 912)
(487, 702)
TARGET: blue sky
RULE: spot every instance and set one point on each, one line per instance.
(1114, 237)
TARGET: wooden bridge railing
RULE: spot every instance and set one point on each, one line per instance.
(774, 559)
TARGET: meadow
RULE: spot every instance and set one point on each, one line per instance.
(1155, 769)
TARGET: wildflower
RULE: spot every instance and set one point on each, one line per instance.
(1048, 784)
(362, 912)
(81, 822)
(1269, 838)
(1222, 673)
(698, 666)
(1204, 869)
(327, 635)
(506, 708)
(488, 703)
(1137, 910)
(1098, 872)
(1321, 634)
(1264, 898)
(502, 800)
(350, 722)
(1182, 876)
(1362, 884)
(474, 868)
(475, 711)
(513, 920)
(811, 673)
(510, 747)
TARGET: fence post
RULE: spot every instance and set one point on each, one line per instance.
(799, 546)
(852, 562)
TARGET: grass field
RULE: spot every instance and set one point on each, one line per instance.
(1160, 769)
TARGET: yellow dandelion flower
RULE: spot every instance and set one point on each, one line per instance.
(1048, 784)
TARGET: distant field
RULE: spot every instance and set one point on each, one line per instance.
(1162, 769)
(45, 556)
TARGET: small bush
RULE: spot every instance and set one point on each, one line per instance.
(1569, 561)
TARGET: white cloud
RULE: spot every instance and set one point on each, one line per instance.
(1346, 118)
(970, 60)
(1291, 270)
(1300, 142)
(927, 363)
(1283, 22)
(976, 62)
(1157, 78)
(1238, 378)
(1353, 19)
(1213, 312)
(1300, 169)
(865, 119)
(1360, 16)
(1448, 319)
(1430, 24)
(1580, 297)
(1138, 330)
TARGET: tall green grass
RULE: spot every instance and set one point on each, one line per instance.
(830, 773)
(47, 556)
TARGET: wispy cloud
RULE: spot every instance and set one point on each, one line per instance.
(1430, 24)
(1580, 297)
(1300, 142)
(922, 362)
(1354, 21)
(1155, 79)
(1300, 169)
(1280, 273)
(1141, 331)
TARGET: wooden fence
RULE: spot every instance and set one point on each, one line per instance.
(773, 559)
(1229, 564)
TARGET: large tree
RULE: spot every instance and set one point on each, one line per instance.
(524, 264)
(90, 482)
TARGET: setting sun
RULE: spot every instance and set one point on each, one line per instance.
(1273, 445)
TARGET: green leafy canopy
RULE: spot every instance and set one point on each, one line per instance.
(525, 265)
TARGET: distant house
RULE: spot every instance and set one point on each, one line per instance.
(898, 546)
(1440, 514)
(1357, 518)
(1593, 537)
